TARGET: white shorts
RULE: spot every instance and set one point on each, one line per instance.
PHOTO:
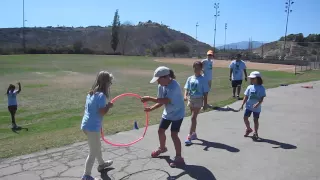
(195, 102)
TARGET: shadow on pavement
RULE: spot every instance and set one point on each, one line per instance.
(278, 144)
(225, 109)
(128, 176)
(217, 145)
(194, 171)
(104, 174)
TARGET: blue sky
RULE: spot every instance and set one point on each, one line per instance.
(263, 20)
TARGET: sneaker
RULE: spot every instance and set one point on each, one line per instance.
(248, 131)
(14, 126)
(104, 165)
(157, 152)
(178, 161)
(87, 177)
(194, 136)
(188, 141)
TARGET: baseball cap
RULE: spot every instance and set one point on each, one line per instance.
(254, 74)
(210, 52)
(159, 72)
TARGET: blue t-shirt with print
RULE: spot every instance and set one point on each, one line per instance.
(207, 68)
(237, 69)
(12, 98)
(196, 86)
(92, 119)
(254, 94)
(175, 109)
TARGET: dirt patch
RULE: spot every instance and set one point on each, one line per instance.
(136, 72)
(225, 64)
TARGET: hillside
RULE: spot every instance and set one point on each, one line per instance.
(241, 45)
(293, 51)
(134, 40)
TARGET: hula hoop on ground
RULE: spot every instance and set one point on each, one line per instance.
(145, 129)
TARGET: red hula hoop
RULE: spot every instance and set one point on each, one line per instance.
(145, 129)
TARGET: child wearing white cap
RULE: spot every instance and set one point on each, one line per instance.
(169, 95)
(253, 99)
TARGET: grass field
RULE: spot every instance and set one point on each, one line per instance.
(54, 89)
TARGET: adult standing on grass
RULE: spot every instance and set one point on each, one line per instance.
(237, 68)
(12, 102)
(207, 67)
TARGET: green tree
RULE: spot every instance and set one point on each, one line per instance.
(115, 31)
(77, 47)
(177, 47)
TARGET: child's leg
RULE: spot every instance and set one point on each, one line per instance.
(12, 111)
(164, 124)
(256, 121)
(94, 151)
(246, 116)
(238, 89)
(175, 128)
(194, 115)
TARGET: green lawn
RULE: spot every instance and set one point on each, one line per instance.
(54, 88)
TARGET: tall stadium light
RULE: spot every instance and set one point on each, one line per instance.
(288, 11)
(216, 6)
(23, 29)
(225, 35)
(197, 24)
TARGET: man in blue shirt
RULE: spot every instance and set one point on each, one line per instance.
(237, 68)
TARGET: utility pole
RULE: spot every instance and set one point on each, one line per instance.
(23, 26)
(288, 11)
(225, 35)
(216, 6)
(197, 24)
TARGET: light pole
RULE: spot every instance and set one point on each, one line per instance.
(216, 6)
(225, 35)
(23, 25)
(288, 11)
(197, 24)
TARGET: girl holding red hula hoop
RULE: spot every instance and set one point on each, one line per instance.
(169, 95)
(96, 107)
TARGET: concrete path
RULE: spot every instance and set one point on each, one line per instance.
(289, 149)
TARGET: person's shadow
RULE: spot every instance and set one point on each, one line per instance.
(208, 144)
(194, 171)
(217, 108)
(18, 128)
(104, 174)
(277, 143)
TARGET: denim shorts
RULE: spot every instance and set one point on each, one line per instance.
(175, 125)
(247, 113)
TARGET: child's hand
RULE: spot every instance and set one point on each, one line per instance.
(147, 109)
(145, 99)
(256, 105)
(185, 98)
(241, 108)
(110, 105)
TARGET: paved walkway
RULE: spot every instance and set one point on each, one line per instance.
(289, 149)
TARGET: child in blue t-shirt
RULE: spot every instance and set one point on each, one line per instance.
(169, 95)
(253, 99)
(196, 92)
(12, 102)
(96, 107)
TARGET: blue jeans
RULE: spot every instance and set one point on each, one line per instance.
(247, 113)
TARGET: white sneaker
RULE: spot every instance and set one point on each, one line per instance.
(105, 165)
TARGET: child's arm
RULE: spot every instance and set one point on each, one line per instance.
(258, 103)
(185, 94)
(156, 106)
(8, 90)
(155, 100)
(205, 100)
(103, 111)
(19, 90)
(244, 101)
